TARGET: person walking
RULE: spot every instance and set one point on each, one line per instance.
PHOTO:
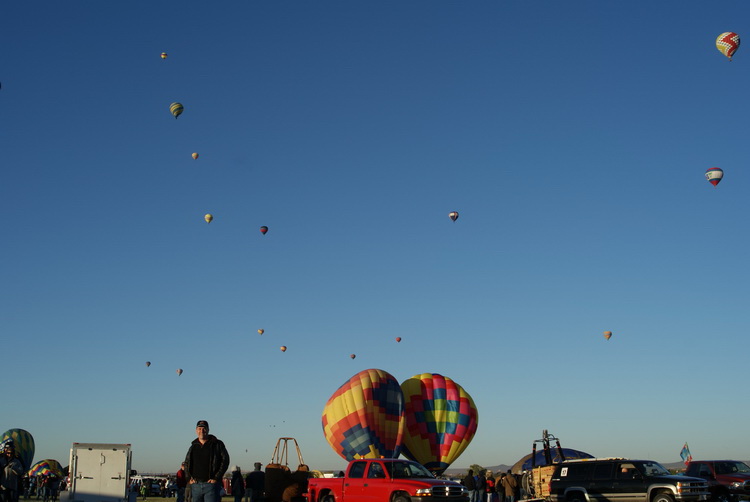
(238, 484)
(255, 484)
(206, 462)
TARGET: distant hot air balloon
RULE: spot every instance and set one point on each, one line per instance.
(263, 229)
(47, 467)
(261, 331)
(714, 175)
(398, 339)
(283, 348)
(353, 356)
(728, 43)
(453, 215)
(364, 417)
(195, 155)
(209, 217)
(23, 442)
(607, 335)
(179, 372)
(440, 418)
(148, 363)
(164, 55)
(176, 109)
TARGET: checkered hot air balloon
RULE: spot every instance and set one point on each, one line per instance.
(441, 420)
(728, 43)
(23, 442)
(47, 467)
(364, 417)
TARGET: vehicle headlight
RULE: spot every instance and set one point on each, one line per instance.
(737, 485)
(464, 490)
(424, 492)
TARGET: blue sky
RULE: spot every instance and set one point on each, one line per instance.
(572, 138)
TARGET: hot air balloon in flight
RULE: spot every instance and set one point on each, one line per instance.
(23, 442)
(398, 339)
(283, 348)
(364, 417)
(195, 155)
(148, 363)
(453, 215)
(263, 229)
(440, 418)
(261, 331)
(714, 175)
(164, 55)
(209, 217)
(179, 371)
(728, 43)
(353, 356)
(607, 335)
(176, 109)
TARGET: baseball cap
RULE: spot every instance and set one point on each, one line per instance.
(202, 423)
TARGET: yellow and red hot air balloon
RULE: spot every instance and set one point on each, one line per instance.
(728, 43)
(179, 371)
(364, 417)
(440, 420)
(164, 55)
(261, 331)
(176, 109)
(283, 348)
(607, 335)
(195, 155)
(209, 217)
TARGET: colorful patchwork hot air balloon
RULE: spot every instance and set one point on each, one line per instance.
(453, 215)
(440, 418)
(728, 43)
(364, 417)
(176, 109)
(47, 467)
(714, 175)
(23, 443)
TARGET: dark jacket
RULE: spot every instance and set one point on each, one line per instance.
(238, 484)
(218, 458)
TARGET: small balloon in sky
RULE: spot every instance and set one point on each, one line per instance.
(209, 217)
(195, 155)
(728, 43)
(714, 175)
(398, 339)
(283, 348)
(148, 363)
(607, 335)
(164, 55)
(263, 229)
(453, 215)
(353, 356)
(261, 331)
(176, 109)
(179, 372)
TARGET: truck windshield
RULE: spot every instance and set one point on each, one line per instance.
(731, 467)
(653, 469)
(405, 469)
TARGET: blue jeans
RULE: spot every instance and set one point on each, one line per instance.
(180, 494)
(204, 492)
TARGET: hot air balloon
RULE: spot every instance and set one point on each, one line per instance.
(283, 348)
(364, 417)
(47, 467)
(176, 109)
(263, 229)
(148, 363)
(728, 43)
(398, 339)
(714, 175)
(164, 55)
(195, 155)
(23, 442)
(607, 335)
(179, 371)
(353, 356)
(208, 218)
(440, 420)
(453, 215)
(261, 331)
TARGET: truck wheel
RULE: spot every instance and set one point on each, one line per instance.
(662, 497)
(327, 498)
(576, 497)
(401, 498)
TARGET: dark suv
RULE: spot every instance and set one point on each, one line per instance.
(728, 480)
(622, 480)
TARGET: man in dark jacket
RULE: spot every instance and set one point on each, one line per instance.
(205, 464)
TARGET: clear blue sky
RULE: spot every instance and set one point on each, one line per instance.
(572, 138)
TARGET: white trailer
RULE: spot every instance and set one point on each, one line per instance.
(99, 472)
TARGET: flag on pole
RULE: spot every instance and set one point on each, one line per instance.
(685, 454)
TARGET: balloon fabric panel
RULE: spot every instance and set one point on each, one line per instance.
(24, 444)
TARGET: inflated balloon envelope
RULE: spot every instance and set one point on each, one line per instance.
(23, 442)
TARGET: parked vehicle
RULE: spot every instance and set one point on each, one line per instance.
(385, 480)
(728, 480)
(99, 473)
(622, 480)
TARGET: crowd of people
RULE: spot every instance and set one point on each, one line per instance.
(483, 487)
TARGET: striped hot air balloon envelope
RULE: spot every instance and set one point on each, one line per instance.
(728, 43)
(364, 417)
(23, 443)
(176, 109)
(47, 467)
(714, 175)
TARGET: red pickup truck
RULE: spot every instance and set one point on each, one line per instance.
(385, 480)
(728, 480)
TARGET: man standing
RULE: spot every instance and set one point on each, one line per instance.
(255, 484)
(205, 464)
(181, 482)
(11, 472)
